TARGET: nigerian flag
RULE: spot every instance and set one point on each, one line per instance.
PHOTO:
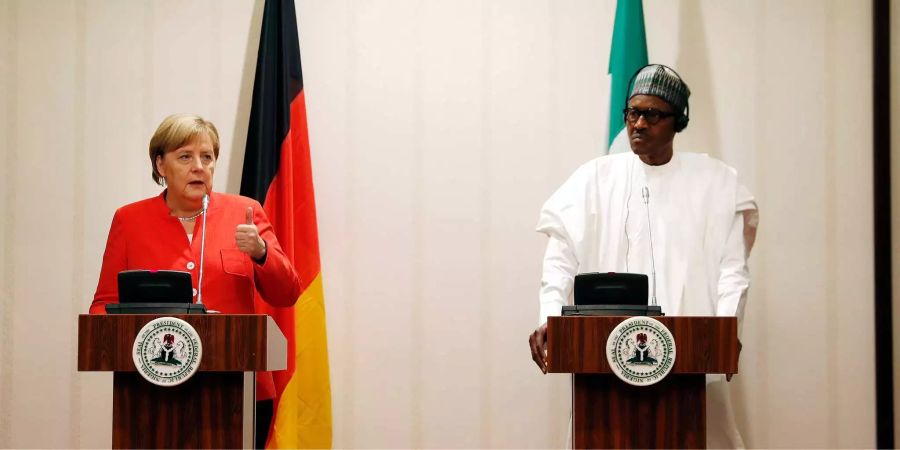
(627, 55)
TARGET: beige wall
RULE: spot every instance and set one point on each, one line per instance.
(438, 129)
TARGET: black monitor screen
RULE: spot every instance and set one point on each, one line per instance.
(155, 286)
(611, 289)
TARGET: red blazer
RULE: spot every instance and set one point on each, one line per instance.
(144, 236)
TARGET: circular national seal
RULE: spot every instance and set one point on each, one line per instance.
(640, 351)
(167, 351)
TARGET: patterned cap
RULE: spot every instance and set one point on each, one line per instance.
(661, 81)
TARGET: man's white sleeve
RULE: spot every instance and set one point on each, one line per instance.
(734, 277)
(560, 267)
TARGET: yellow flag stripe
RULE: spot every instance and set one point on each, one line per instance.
(303, 418)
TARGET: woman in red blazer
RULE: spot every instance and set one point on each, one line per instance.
(242, 256)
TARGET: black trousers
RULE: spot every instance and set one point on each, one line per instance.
(264, 411)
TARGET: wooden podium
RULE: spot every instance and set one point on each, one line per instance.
(213, 409)
(609, 413)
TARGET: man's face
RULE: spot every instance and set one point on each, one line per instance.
(651, 140)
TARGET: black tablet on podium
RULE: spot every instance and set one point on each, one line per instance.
(155, 292)
(611, 294)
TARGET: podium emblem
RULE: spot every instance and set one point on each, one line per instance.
(167, 351)
(640, 351)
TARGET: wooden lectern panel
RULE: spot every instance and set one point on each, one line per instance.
(231, 342)
(204, 412)
(608, 413)
(207, 410)
(577, 344)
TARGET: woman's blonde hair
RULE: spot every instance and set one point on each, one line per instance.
(176, 131)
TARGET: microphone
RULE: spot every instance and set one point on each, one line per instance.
(202, 247)
(645, 193)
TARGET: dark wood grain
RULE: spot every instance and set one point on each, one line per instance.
(203, 412)
(703, 344)
(232, 342)
(206, 411)
(608, 413)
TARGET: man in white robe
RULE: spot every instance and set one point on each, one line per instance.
(602, 219)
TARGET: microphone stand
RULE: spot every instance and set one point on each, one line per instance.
(646, 196)
(202, 248)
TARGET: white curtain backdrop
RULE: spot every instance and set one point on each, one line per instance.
(438, 128)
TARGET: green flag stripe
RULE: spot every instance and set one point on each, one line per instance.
(627, 54)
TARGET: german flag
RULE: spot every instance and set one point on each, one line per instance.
(278, 173)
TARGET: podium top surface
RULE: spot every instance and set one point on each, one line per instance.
(705, 345)
(231, 342)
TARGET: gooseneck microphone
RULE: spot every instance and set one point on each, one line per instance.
(202, 248)
(645, 193)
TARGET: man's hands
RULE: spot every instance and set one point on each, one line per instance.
(538, 343)
(247, 238)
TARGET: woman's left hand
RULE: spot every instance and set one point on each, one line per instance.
(248, 240)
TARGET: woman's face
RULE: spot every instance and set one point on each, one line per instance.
(189, 169)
